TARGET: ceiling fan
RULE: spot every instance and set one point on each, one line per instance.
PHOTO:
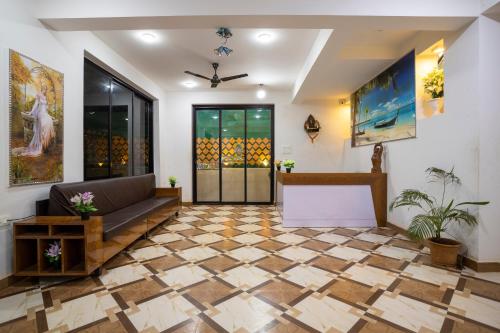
(215, 80)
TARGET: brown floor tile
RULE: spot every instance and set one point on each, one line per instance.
(73, 288)
(164, 263)
(279, 292)
(209, 291)
(138, 291)
(266, 223)
(420, 290)
(345, 232)
(198, 326)
(270, 245)
(19, 286)
(287, 328)
(225, 245)
(191, 232)
(106, 327)
(306, 232)
(19, 326)
(484, 288)
(119, 260)
(141, 243)
(379, 327)
(274, 263)
(268, 232)
(362, 245)
(230, 232)
(200, 223)
(316, 245)
(329, 263)
(219, 263)
(405, 244)
(350, 291)
(384, 262)
(180, 245)
(384, 231)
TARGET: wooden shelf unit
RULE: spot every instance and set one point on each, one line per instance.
(81, 245)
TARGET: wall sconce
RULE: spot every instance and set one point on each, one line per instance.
(312, 127)
(344, 101)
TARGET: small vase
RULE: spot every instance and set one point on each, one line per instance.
(288, 170)
(435, 105)
(85, 216)
(172, 185)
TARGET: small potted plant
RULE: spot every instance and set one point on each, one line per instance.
(172, 180)
(434, 86)
(289, 165)
(53, 254)
(278, 164)
(436, 217)
(84, 203)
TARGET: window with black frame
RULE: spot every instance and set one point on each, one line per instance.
(117, 132)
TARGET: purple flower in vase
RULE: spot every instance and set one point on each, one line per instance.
(53, 253)
(87, 198)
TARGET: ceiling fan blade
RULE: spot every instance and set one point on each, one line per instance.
(234, 77)
(197, 75)
(214, 85)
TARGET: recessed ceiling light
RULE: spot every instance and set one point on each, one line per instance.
(148, 37)
(261, 93)
(265, 37)
(189, 84)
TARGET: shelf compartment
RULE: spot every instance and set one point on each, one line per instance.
(45, 266)
(27, 230)
(74, 256)
(68, 230)
(26, 260)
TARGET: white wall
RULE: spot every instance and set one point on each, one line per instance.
(65, 53)
(289, 130)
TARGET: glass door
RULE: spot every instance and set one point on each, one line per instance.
(233, 154)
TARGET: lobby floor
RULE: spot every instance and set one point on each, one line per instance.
(222, 268)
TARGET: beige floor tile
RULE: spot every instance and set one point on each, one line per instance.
(477, 308)
(18, 305)
(308, 276)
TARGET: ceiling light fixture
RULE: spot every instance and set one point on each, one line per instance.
(261, 93)
(189, 84)
(264, 37)
(148, 37)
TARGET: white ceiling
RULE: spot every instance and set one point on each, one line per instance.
(275, 64)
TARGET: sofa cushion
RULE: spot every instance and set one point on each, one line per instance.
(121, 219)
(110, 194)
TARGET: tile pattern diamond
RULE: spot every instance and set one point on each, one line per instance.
(236, 269)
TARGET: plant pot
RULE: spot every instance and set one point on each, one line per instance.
(278, 167)
(435, 105)
(85, 216)
(172, 185)
(288, 170)
(444, 251)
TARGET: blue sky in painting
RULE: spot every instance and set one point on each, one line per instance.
(380, 101)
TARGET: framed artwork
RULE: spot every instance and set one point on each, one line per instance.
(36, 122)
(384, 108)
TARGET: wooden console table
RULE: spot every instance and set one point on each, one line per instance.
(81, 245)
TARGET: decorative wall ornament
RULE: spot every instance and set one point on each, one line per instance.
(224, 34)
(36, 109)
(384, 108)
(378, 149)
(312, 127)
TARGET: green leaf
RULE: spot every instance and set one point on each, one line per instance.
(422, 227)
(477, 203)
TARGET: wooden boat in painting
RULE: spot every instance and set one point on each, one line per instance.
(386, 122)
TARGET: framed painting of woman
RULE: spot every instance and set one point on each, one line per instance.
(36, 121)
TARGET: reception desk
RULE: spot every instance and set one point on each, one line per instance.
(332, 199)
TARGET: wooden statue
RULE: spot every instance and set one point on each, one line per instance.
(378, 149)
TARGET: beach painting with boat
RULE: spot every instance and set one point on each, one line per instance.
(384, 108)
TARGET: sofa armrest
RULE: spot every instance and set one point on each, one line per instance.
(169, 192)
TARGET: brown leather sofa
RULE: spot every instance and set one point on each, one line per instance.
(129, 206)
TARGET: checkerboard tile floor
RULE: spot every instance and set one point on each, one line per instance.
(236, 269)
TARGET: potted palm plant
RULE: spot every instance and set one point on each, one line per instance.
(437, 215)
(289, 165)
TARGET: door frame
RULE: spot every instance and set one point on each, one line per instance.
(222, 107)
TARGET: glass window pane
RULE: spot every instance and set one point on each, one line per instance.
(207, 156)
(121, 147)
(259, 162)
(233, 155)
(141, 136)
(96, 123)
